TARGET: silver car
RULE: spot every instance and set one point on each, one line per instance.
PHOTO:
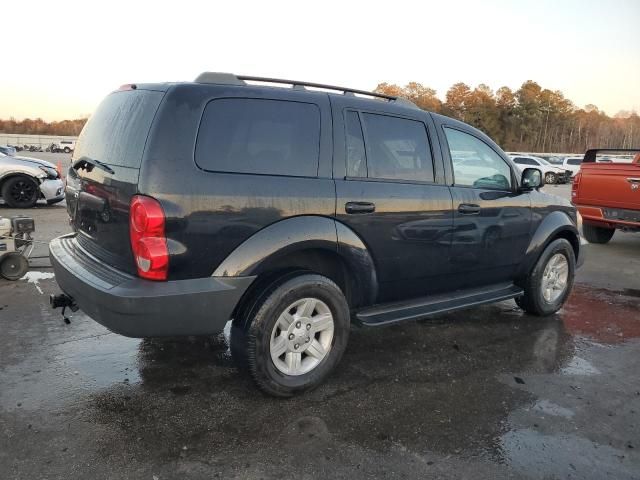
(25, 180)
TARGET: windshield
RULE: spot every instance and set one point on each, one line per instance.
(8, 151)
(543, 161)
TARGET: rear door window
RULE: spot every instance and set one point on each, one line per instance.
(117, 132)
(268, 137)
(397, 148)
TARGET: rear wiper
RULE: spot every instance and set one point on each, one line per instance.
(82, 162)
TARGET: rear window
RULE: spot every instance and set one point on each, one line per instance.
(269, 137)
(117, 132)
(574, 161)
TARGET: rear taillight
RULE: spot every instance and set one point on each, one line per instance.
(148, 243)
(576, 185)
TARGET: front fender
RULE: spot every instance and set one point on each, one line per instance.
(556, 224)
(34, 173)
(305, 233)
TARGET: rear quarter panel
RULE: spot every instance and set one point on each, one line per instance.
(210, 214)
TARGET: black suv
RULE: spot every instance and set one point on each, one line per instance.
(293, 212)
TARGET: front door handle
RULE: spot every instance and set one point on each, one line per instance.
(355, 208)
(469, 209)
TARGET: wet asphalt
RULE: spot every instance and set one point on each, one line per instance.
(484, 393)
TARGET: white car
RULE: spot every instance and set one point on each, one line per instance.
(573, 164)
(552, 173)
(67, 146)
(25, 180)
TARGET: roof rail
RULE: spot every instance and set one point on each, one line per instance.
(231, 79)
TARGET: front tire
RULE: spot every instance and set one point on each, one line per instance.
(549, 283)
(20, 192)
(595, 234)
(293, 334)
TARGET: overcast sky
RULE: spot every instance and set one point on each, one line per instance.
(61, 57)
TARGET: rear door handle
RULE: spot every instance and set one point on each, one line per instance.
(469, 209)
(355, 208)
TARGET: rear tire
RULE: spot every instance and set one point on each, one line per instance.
(550, 178)
(549, 283)
(20, 192)
(595, 234)
(293, 334)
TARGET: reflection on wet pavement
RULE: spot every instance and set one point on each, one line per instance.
(406, 400)
(602, 315)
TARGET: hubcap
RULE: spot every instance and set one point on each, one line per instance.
(302, 336)
(555, 277)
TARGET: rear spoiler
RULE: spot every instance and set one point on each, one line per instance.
(590, 155)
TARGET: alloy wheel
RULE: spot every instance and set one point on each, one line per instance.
(302, 336)
(555, 278)
(23, 191)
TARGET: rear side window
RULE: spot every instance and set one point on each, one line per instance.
(117, 132)
(525, 161)
(574, 161)
(356, 159)
(397, 148)
(271, 137)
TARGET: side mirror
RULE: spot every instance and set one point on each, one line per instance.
(531, 178)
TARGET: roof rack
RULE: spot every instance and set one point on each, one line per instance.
(231, 79)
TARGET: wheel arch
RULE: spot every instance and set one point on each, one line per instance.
(554, 226)
(307, 243)
(9, 175)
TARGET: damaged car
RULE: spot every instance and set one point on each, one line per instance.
(25, 180)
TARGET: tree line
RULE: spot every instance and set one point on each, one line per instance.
(38, 126)
(530, 119)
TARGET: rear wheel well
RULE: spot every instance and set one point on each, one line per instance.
(320, 261)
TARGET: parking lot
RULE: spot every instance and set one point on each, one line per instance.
(483, 393)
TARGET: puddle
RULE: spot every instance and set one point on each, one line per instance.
(579, 366)
(549, 408)
(601, 315)
(563, 456)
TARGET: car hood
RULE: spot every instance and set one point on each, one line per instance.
(31, 162)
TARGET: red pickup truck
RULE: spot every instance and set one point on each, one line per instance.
(607, 195)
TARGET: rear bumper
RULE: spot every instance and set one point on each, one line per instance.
(142, 308)
(610, 217)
